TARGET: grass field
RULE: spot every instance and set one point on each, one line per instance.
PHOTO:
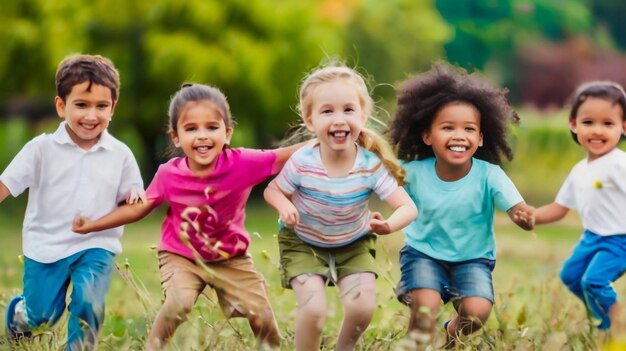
(533, 310)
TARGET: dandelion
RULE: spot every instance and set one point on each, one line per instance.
(265, 254)
(597, 184)
(20, 258)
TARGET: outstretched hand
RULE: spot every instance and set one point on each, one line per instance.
(136, 196)
(289, 215)
(524, 216)
(378, 224)
(80, 225)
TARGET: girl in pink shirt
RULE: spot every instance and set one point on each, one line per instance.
(203, 236)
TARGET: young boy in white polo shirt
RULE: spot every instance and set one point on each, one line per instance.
(78, 169)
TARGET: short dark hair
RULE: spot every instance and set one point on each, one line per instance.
(76, 69)
(601, 89)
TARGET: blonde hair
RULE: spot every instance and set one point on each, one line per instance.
(368, 138)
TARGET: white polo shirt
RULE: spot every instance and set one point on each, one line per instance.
(597, 190)
(64, 181)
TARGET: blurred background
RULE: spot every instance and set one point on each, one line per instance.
(257, 51)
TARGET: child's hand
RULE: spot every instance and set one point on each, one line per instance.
(136, 196)
(289, 215)
(81, 224)
(378, 224)
(524, 216)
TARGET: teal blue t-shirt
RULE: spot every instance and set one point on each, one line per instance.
(455, 219)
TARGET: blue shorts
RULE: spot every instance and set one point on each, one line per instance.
(453, 280)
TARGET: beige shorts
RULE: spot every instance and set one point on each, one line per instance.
(240, 289)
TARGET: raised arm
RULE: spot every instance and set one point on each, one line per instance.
(550, 213)
(404, 213)
(277, 199)
(122, 215)
(283, 154)
(4, 191)
(523, 215)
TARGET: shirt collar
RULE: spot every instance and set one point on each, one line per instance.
(61, 136)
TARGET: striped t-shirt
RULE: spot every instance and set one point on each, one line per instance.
(333, 211)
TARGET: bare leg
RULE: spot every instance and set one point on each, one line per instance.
(473, 313)
(311, 294)
(358, 295)
(425, 305)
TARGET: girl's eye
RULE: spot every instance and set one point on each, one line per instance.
(190, 129)
(587, 123)
(349, 109)
(470, 129)
(214, 127)
(327, 111)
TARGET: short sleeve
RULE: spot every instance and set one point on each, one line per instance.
(288, 180)
(505, 194)
(156, 191)
(566, 196)
(21, 173)
(260, 162)
(131, 176)
(384, 183)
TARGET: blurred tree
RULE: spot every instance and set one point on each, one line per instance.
(255, 51)
(395, 38)
(610, 13)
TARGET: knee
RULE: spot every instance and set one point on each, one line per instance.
(316, 314)
(475, 316)
(570, 277)
(360, 308)
(177, 307)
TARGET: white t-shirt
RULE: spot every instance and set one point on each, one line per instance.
(64, 181)
(597, 190)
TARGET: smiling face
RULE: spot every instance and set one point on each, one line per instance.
(598, 125)
(336, 116)
(202, 134)
(87, 112)
(454, 135)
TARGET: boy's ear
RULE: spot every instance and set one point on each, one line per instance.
(59, 104)
(174, 137)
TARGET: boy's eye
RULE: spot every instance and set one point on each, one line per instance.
(80, 104)
(190, 129)
(327, 111)
(214, 127)
(103, 106)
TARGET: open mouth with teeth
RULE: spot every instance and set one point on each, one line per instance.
(458, 148)
(203, 148)
(340, 134)
(88, 126)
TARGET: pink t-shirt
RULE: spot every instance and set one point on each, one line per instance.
(209, 210)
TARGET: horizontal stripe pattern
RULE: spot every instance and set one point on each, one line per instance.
(333, 211)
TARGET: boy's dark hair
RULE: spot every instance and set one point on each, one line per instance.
(606, 90)
(421, 97)
(76, 69)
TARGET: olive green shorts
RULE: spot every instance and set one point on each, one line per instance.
(298, 258)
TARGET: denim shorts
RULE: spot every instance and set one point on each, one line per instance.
(453, 280)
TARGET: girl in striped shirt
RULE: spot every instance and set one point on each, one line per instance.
(321, 195)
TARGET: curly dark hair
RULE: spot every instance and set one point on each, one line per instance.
(421, 97)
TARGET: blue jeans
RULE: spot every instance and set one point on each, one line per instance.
(596, 262)
(45, 289)
(453, 280)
